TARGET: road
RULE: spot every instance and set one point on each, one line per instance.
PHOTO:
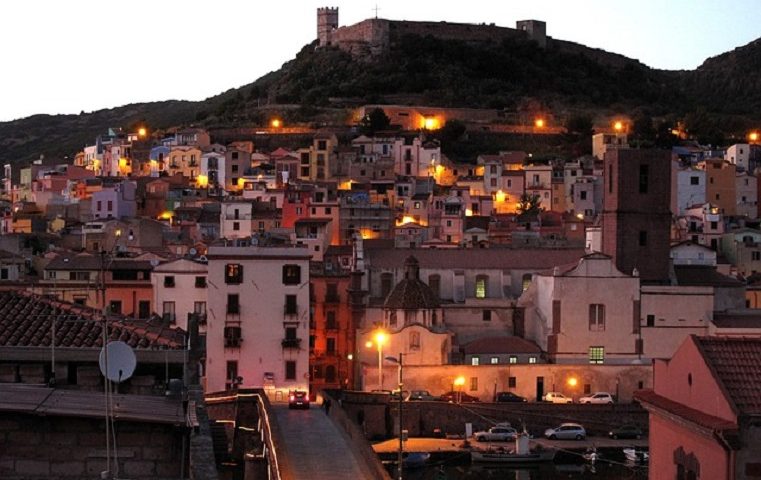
(454, 445)
(314, 446)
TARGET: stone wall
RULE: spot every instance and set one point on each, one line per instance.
(51, 447)
(380, 420)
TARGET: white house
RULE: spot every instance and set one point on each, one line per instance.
(258, 319)
(179, 289)
(738, 154)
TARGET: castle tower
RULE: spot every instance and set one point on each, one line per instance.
(327, 22)
(535, 29)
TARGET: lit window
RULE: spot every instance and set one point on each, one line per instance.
(513, 359)
(233, 273)
(597, 355)
(474, 360)
(531, 359)
(494, 360)
(481, 286)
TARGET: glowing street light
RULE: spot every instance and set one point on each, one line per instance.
(753, 136)
(142, 132)
(539, 123)
(573, 381)
(618, 126)
(276, 123)
(379, 338)
(459, 382)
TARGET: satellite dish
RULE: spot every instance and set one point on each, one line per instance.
(193, 252)
(121, 361)
(154, 262)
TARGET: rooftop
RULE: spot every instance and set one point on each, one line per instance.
(491, 259)
(501, 345)
(736, 365)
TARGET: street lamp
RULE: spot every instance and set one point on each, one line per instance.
(379, 338)
(539, 123)
(459, 382)
(618, 126)
(399, 362)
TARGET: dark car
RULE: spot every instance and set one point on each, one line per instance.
(505, 397)
(298, 399)
(422, 395)
(458, 397)
(626, 431)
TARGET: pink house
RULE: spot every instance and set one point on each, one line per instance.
(705, 410)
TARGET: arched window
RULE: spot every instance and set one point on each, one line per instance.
(482, 286)
(330, 374)
(387, 280)
(392, 319)
(414, 340)
(526, 280)
(434, 282)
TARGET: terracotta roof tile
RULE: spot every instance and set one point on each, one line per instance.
(25, 320)
(658, 402)
(736, 363)
(501, 345)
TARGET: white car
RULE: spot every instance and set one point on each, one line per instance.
(556, 397)
(498, 433)
(566, 431)
(599, 397)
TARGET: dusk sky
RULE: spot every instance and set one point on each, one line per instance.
(74, 55)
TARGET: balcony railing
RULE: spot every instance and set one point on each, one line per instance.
(291, 343)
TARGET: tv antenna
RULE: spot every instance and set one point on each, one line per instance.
(376, 10)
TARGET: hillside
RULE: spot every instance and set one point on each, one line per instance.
(508, 73)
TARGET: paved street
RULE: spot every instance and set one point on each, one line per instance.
(315, 447)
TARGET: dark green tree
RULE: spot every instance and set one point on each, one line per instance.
(374, 121)
(530, 204)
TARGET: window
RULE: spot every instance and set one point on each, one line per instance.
(311, 343)
(583, 195)
(486, 315)
(511, 382)
(386, 279)
(199, 308)
(531, 359)
(290, 370)
(115, 306)
(474, 360)
(526, 281)
(330, 320)
(331, 345)
(291, 274)
(473, 384)
(643, 238)
(233, 305)
(236, 226)
(481, 286)
(331, 293)
(291, 308)
(200, 282)
(513, 359)
(651, 320)
(755, 255)
(233, 273)
(231, 378)
(169, 281)
(694, 180)
(414, 340)
(494, 360)
(596, 317)
(167, 312)
(643, 178)
(596, 355)
(110, 205)
(392, 319)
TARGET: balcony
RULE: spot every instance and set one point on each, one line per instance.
(291, 343)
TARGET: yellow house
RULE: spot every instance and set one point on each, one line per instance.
(185, 160)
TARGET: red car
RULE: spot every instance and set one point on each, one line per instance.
(298, 399)
(458, 397)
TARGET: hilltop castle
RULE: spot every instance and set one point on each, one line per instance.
(373, 36)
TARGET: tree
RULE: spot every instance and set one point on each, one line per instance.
(452, 131)
(374, 121)
(530, 204)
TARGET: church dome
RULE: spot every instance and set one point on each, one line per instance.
(411, 293)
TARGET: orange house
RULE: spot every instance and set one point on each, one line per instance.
(331, 333)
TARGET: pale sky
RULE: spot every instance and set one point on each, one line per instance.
(65, 56)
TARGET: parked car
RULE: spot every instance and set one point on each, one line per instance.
(462, 397)
(503, 397)
(422, 395)
(497, 433)
(599, 397)
(566, 431)
(298, 399)
(556, 397)
(626, 431)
